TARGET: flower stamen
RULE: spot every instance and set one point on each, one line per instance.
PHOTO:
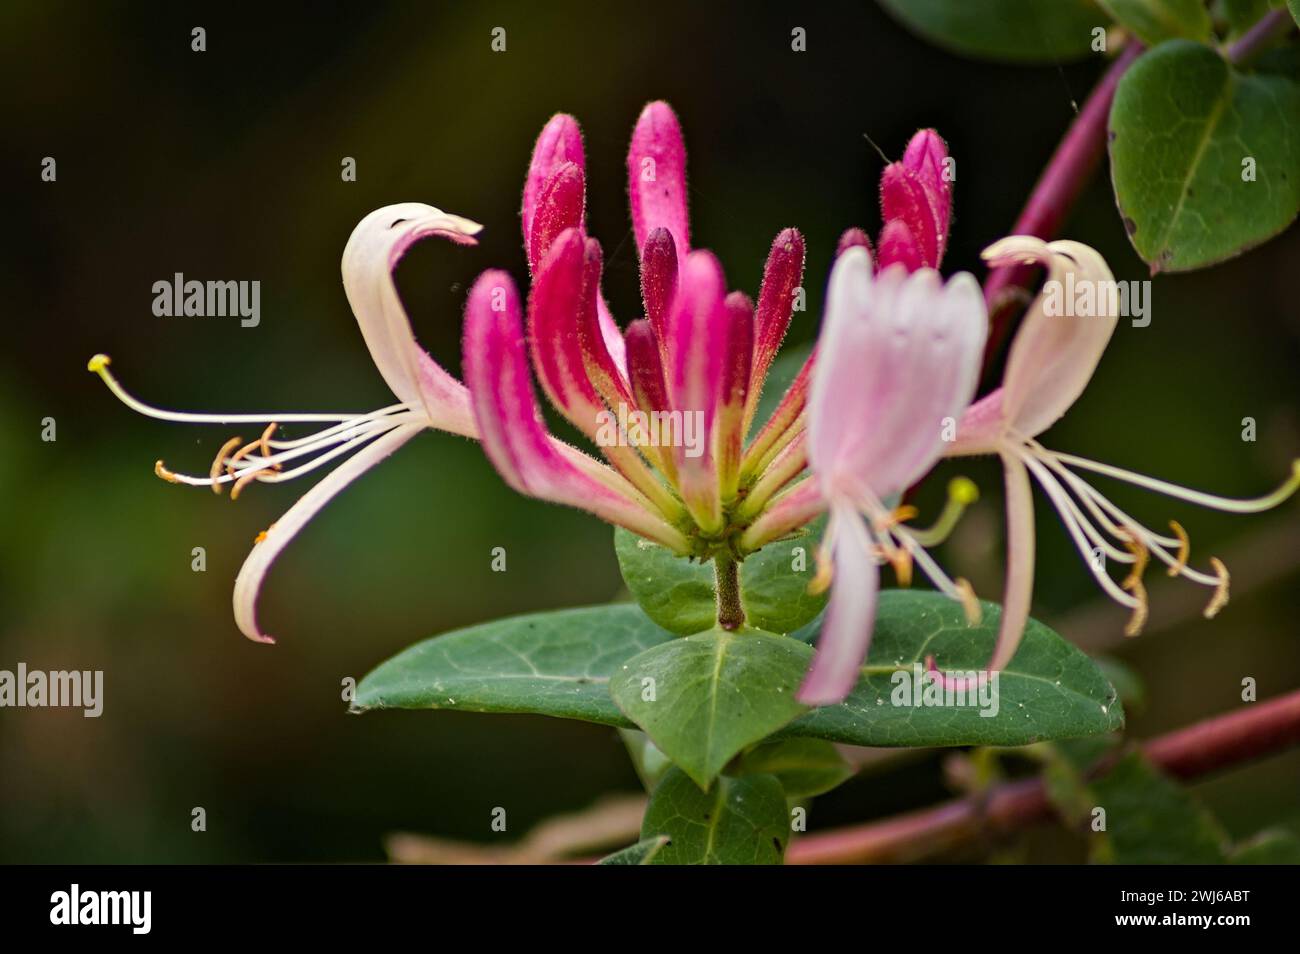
(1184, 548)
(218, 463)
(1220, 598)
(970, 603)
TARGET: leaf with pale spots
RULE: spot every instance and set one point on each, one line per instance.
(555, 664)
(703, 698)
(1050, 690)
(1205, 159)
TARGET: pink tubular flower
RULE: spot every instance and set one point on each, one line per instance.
(670, 402)
(1051, 360)
(915, 205)
(427, 397)
(900, 353)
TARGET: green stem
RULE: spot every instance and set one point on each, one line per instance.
(726, 571)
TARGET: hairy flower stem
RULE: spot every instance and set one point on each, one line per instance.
(1068, 172)
(731, 615)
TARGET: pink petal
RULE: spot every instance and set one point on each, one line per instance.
(899, 247)
(899, 362)
(656, 170)
(850, 615)
(1053, 356)
(854, 238)
(559, 207)
(927, 158)
(696, 346)
(555, 306)
(789, 510)
(375, 247)
(604, 373)
(903, 198)
(560, 142)
(1020, 571)
(248, 584)
(513, 434)
(782, 274)
(658, 277)
(738, 353)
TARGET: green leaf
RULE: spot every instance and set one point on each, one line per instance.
(649, 762)
(1151, 820)
(1016, 31)
(738, 821)
(555, 664)
(1241, 15)
(1050, 690)
(678, 594)
(805, 767)
(1205, 160)
(1065, 774)
(703, 698)
(1132, 691)
(1294, 7)
(1155, 21)
(642, 853)
(1276, 846)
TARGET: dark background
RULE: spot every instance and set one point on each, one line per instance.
(225, 164)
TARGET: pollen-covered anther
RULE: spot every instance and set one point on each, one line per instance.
(900, 514)
(1139, 617)
(825, 572)
(1220, 598)
(219, 462)
(1141, 556)
(902, 562)
(970, 603)
(248, 477)
(160, 470)
(262, 444)
(1184, 548)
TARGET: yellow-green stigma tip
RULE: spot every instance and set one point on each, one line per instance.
(101, 361)
(963, 490)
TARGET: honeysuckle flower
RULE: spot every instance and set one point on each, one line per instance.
(899, 353)
(1050, 362)
(670, 401)
(427, 397)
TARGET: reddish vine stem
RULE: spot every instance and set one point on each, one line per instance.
(1259, 729)
(1057, 190)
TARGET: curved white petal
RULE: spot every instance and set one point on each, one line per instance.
(253, 572)
(1053, 355)
(375, 247)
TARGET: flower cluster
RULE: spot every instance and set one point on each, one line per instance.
(670, 400)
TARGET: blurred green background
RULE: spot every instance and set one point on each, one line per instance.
(225, 165)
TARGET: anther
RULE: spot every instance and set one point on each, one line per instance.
(215, 470)
(970, 603)
(161, 471)
(261, 444)
(1220, 598)
(247, 479)
(1184, 547)
(902, 562)
(822, 581)
(1139, 617)
(1140, 557)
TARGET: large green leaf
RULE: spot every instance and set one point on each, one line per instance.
(703, 698)
(555, 664)
(1152, 820)
(1050, 690)
(1275, 846)
(1017, 31)
(1294, 7)
(1205, 160)
(1155, 21)
(738, 821)
(678, 593)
